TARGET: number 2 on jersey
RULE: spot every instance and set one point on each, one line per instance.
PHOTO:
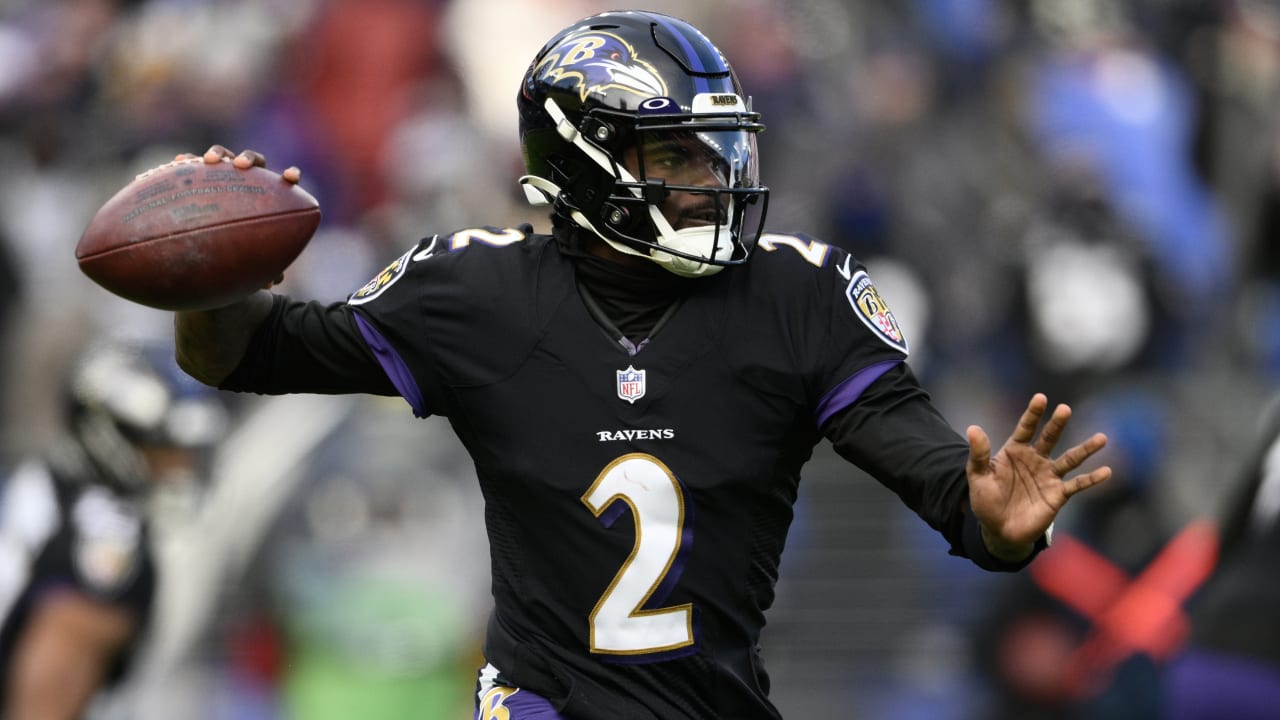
(619, 623)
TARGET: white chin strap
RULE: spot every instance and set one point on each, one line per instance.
(699, 241)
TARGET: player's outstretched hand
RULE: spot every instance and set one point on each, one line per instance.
(1017, 493)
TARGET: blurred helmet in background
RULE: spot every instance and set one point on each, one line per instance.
(126, 399)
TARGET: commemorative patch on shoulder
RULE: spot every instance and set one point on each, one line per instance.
(108, 541)
(383, 280)
(873, 312)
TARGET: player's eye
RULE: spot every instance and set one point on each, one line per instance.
(669, 156)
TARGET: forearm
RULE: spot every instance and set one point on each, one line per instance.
(210, 343)
(62, 657)
(895, 434)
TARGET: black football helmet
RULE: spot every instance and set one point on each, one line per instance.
(124, 396)
(634, 127)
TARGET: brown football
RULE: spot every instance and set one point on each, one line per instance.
(191, 235)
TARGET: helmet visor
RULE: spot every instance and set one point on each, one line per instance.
(700, 178)
(716, 159)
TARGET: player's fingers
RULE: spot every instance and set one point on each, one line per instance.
(1026, 428)
(248, 158)
(1086, 481)
(1075, 457)
(291, 174)
(185, 156)
(1052, 431)
(979, 450)
(216, 153)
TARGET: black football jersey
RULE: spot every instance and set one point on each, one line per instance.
(60, 534)
(638, 495)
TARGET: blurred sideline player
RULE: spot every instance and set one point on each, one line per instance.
(1231, 666)
(77, 578)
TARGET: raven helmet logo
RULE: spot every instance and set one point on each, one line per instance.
(873, 311)
(597, 62)
(631, 384)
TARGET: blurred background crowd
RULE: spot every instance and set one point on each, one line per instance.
(1069, 197)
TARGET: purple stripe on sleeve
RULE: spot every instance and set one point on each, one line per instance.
(520, 704)
(393, 365)
(848, 391)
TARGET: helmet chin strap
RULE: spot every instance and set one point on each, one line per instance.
(694, 241)
(540, 191)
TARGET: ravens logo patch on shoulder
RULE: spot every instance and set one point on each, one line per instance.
(873, 311)
(382, 280)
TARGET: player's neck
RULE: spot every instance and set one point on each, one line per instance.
(632, 294)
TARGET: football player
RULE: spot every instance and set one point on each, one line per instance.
(1230, 667)
(640, 388)
(77, 578)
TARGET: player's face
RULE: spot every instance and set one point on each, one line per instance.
(169, 464)
(682, 158)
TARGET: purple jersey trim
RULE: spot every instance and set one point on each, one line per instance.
(393, 365)
(520, 705)
(848, 391)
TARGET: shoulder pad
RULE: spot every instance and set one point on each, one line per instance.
(814, 252)
(435, 246)
(491, 236)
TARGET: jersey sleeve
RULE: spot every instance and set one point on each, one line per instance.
(441, 314)
(308, 347)
(865, 339)
(898, 437)
(388, 311)
(448, 312)
(868, 402)
(844, 334)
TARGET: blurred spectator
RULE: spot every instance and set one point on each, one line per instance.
(45, 201)
(10, 292)
(1094, 306)
(1236, 63)
(1103, 98)
(358, 67)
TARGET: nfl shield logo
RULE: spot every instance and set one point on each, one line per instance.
(631, 384)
